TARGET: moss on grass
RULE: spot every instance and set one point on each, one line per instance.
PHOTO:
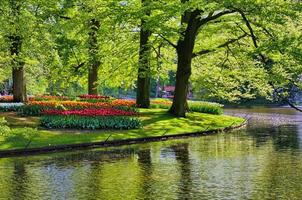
(156, 122)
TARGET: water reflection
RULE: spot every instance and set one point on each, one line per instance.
(263, 161)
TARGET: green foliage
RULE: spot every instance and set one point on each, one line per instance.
(33, 110)
(55, 45)
(83, 122)
(25, 135)
(194, 106)
(205, 107)
(155, 122)
(4, 129)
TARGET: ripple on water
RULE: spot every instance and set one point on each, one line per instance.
(263, 161)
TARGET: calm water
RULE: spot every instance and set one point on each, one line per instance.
(263, 161)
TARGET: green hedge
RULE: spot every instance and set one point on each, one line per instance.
(194, 106)
(85, 122)
(205, 107)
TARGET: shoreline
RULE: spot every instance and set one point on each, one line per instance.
(112, 143)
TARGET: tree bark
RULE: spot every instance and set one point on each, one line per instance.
(143, 78)
(19, 85)
(185, 48)
(94, 62)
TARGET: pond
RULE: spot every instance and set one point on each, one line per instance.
(261, 161)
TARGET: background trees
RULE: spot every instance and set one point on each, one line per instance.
(223, 50)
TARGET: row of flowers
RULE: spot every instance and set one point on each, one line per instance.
(9, 98)
(87, 96)
(91, 112)
(82, 104)
(8, 107)
(6, 98)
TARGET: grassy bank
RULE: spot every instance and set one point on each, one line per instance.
(156, 122)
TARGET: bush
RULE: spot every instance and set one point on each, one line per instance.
(85, 122)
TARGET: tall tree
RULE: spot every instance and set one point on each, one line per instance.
(192, 20)
(143, 79)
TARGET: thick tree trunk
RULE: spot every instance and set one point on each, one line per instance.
(93, 79)
(143, 79)
(19, 85)
(94, 62)
(179, 106)
(185, 47)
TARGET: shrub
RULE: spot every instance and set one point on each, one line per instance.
(86, 122)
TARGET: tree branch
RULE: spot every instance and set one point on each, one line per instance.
(211, 16)
(227, 43)
(248, 25)
(169, 42)
(293, 106)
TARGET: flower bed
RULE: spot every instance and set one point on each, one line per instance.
(6, 98)
(87, 96)
(91, 112)
(10, 107)
(88, 122)
(36, 108)
(49, 98)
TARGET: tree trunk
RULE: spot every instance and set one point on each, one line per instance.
(19, 85)
(143, 78)
(94, 62)
(185, 47)
(93, 79)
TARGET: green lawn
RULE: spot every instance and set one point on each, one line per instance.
(156, 122)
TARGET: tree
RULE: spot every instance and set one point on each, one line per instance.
(23, 32)
(227, 15)
(192, 20)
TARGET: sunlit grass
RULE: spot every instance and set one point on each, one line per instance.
(156, 122)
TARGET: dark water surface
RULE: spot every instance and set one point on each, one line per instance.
(263, 161)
